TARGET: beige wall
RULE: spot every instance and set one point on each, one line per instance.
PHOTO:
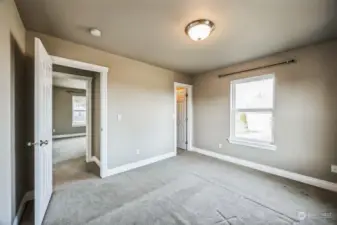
(21, 153)
(182, 78)
(63, 110)
(10, 24)
(305, 116)
(142, 93)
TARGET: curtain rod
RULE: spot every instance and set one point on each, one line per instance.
(260, 67)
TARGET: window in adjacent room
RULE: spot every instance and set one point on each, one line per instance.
(79, 111)
(252, 112)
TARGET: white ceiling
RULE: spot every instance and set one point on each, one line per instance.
(152, 31)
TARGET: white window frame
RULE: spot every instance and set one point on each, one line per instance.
(246, 141)
(76, 124)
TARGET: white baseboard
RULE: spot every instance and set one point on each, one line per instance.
(95, 160)
(59, 136)
(27, 197)
(131, 166)
(271, 170)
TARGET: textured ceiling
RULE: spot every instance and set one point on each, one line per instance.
(152, 31)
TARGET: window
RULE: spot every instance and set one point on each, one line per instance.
(79, 111)
(252, 112)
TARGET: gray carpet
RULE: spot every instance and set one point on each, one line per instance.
(191, 189)
(69, 148)
(70, 170)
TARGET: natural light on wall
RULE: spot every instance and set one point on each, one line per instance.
(252, 108)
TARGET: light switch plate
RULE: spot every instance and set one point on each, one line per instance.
(137, 151)
(119, 117)
(220, 145)
(334, 168)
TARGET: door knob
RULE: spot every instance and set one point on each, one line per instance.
(29, 144)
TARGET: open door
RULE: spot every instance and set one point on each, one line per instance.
(42, 131)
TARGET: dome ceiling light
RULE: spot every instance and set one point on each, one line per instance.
(199, 29)
(95, 32)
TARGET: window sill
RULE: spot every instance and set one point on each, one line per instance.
(252, 144)
(79, 125)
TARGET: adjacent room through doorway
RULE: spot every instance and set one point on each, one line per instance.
(73, 99)
(183, 116)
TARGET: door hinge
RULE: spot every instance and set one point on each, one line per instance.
(186, 95)
(186, 142)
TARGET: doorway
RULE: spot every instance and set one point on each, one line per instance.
(96, 132)
(72, 124)
(183, 117)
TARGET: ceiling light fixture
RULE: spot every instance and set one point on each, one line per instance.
(95, 32)
(199, 29)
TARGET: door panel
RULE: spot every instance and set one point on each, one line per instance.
(42, 131)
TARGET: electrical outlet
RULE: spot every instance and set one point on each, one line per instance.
(220, 145)
(137, 151)
(334, 168)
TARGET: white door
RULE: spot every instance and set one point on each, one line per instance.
(181, 120)
(43, 131)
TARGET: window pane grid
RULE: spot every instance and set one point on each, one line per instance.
(254, 125)
(79, 110)
(254, 94)
(252, 103)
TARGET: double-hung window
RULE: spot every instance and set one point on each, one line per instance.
(79, 111)
(252, 112)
